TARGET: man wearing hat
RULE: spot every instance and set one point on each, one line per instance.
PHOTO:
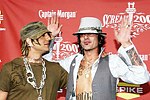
(93, 74)
(30, 77)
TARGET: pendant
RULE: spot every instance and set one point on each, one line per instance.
(40, 98)
(87, 75)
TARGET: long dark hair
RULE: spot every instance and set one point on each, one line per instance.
(101, 43)
(25, 47)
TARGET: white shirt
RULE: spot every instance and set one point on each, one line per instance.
(118, 68)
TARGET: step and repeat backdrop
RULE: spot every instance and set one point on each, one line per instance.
(14, 14)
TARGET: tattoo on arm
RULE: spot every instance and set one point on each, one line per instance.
(134, 57)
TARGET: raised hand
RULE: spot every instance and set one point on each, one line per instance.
(53, 25)
(123, 34)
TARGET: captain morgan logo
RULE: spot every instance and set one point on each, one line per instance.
(60, 13)
(61, 49)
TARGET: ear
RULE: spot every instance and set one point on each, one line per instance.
(28, 40)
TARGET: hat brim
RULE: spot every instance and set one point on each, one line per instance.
(80, 33)
(39, 34)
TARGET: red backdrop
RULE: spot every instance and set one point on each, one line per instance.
(14, 14)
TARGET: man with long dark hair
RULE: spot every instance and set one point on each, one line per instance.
(93, 74)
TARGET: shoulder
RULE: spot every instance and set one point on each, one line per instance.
(113, 56)
(49, 63)
(15, 61)
(53, 65)
(114, 59)
(12, 65)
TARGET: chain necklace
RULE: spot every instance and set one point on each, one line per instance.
(31, 78)
(86, 67)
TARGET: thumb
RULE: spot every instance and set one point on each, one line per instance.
(59, 28)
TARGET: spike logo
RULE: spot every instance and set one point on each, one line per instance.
(128, 91)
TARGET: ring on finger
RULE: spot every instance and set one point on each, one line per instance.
(127, 26)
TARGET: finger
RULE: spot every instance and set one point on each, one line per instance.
(126, 21)
(129, 24)
(122, 24)
(52, 19)
(48, 21)
(57, 20)
(60, 34)
(59, 28)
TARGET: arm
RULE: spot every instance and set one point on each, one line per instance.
(133, 68)
(4, 82)
(3, 95)
(63, 79)
(124, 37)
(121, 68)
(130, 67)
(134, 57)
(123, 34)
(54, 27)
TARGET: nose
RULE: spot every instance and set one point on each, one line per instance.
(85, 36)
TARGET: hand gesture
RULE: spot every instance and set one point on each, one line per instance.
(123, 34)
(53, 25)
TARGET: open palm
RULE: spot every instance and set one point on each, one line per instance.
(53, 26)
(123, 35)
